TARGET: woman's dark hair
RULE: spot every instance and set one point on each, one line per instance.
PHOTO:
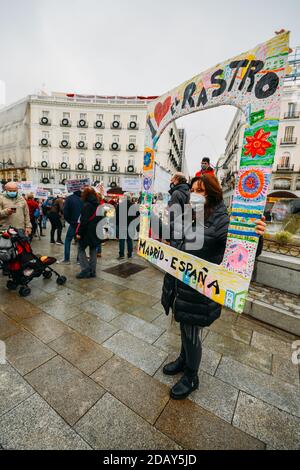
(214, 193)
(88, 191)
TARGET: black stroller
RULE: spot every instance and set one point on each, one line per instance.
(20, 264)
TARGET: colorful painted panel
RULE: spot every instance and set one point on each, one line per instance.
(251, 81)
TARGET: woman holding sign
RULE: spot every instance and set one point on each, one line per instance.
(191, 309)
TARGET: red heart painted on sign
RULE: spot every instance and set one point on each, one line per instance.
(161, 110)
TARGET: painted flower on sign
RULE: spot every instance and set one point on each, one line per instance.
(257, 144)
(147, 159)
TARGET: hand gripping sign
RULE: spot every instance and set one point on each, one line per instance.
(252, 82)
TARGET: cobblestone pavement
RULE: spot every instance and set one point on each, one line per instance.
(84, 369)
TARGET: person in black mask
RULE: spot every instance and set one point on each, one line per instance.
(180, 196)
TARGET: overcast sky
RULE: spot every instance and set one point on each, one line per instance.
(135, 47)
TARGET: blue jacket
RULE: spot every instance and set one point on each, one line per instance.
(72, 208)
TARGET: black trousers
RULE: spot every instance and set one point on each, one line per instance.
(191, 347)
(55, 225)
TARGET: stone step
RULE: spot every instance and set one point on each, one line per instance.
(274, 315)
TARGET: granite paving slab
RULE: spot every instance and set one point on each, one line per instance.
(25, 352)
(271, 345)
(277, 428)
(133, 387)
(244, 353)
(13, 388)
(65, 388)
(263, 386)
(81, 351)
(236, 332)
(45, 327)
(138, 327)
(20, 309)
(92, 326)
(60, 310)
(137, 352)
(110, 425)
(34, 425)
(284, 369)
(192, 427)
(69, 296)
(7, 326)
(103, 311)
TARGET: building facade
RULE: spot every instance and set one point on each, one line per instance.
(285, 181)
(48, 139)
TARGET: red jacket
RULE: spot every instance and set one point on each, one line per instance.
(208, 171)
(32, 206)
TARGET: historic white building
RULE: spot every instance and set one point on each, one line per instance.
(285, 182)
(48, 139)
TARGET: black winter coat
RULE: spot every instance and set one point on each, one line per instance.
(180, 194)
(87, 229)
(72, 208)
(188, 305)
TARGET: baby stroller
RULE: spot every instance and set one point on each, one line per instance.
(18, 261)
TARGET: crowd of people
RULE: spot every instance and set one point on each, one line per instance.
(82, 211)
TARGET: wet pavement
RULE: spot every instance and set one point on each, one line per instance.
(84, 368)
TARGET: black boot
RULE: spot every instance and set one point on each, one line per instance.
(174, 367)
(186, 385)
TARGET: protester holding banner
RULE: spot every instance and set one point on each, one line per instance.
(13, 209)
(191, 309)
(86, 233)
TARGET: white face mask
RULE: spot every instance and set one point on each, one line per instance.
(197, 199)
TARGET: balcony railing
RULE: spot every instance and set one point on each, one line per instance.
(97, 168)
(291, 115)
(285, 167)
(292, 141)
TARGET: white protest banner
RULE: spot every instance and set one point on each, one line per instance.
(77, 185)
(26, 186)
(131, 184)
(41, 193)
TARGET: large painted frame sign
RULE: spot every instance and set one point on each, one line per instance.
(252, 82)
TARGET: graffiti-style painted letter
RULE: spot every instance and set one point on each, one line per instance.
(218, 81)
(271, 81)
(153, 131)
(188, 93)
(255, 66)
(202, 98)
(236, 64)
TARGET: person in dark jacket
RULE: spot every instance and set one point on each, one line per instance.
(191, 309)
(87, 233)
(72, 209)
(180, 196)
(123, 221)
(179, 191)
(55, 216)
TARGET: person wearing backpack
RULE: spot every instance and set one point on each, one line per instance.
(86, 233)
